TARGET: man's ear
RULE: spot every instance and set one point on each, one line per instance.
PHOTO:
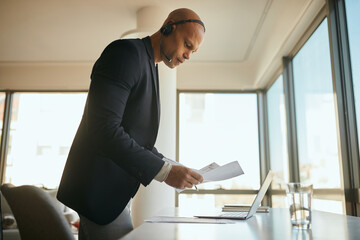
(167, 28)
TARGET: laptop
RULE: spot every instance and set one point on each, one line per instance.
(243, 215)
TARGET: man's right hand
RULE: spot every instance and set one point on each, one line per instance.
(182, 177)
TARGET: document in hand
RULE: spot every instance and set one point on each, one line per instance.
(213, 172)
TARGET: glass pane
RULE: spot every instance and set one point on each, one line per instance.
(41, 132)
(202, 201)
(315, 113)
(220, 128)
(277, 133)
(353, 19)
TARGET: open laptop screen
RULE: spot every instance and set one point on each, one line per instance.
(261, 194)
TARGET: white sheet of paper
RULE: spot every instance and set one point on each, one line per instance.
(202, 171)
(166, 219)
(213, 172)
(208, 168)
(227, 171)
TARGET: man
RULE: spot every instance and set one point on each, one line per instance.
(113, 150)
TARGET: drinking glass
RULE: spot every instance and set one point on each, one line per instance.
(299, 200)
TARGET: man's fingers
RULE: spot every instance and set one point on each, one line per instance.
(197, 176)
(183, 177)
(192, 180)
(184, 185)
(193, 177)
(188, 185)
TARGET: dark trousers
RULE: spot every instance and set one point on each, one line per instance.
(122, 225)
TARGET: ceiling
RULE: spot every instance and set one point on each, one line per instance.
(237, 31)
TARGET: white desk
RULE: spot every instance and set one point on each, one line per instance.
(272, 225)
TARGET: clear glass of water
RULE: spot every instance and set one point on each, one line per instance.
(299, 200)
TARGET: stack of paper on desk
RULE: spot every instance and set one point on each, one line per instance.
(213, 172)
(243, 208)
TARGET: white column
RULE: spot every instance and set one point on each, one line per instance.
(156, 196)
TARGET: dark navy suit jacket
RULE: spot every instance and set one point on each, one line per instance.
(113, 150)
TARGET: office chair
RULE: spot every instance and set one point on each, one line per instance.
(37, 214)
(1, 223)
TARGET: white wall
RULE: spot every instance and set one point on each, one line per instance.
(214, 76)
(45, 76)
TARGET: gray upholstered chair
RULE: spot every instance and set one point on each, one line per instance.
(37, 214)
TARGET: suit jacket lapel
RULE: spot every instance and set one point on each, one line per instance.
(156, 85)
(155, 75)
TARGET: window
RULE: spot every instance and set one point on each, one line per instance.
(316, 121)
(221, 128)
(277, 139)
(41, 132)
(353, 19)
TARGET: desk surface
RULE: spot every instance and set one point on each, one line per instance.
(272, 225)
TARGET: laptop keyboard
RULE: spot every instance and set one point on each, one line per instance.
(234, 214)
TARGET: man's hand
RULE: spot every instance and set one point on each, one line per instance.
(182, 177)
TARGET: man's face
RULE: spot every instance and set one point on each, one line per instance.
(181, 43)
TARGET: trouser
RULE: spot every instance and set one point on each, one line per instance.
(89, 230)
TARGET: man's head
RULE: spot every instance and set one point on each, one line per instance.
(181, 35)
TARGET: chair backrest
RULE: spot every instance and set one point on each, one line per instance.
(36, 213)
(1, 222)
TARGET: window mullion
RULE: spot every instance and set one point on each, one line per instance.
(5, 134)
(263, 141)
(294, 172)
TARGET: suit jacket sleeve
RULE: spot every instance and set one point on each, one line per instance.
(113, 76)
(155, 151)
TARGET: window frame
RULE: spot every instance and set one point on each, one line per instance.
(345, 103)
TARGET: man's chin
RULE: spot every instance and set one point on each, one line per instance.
(170, 64)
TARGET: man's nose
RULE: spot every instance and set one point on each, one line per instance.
(187, 55)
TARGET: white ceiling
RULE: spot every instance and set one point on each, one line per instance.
(237, 31)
